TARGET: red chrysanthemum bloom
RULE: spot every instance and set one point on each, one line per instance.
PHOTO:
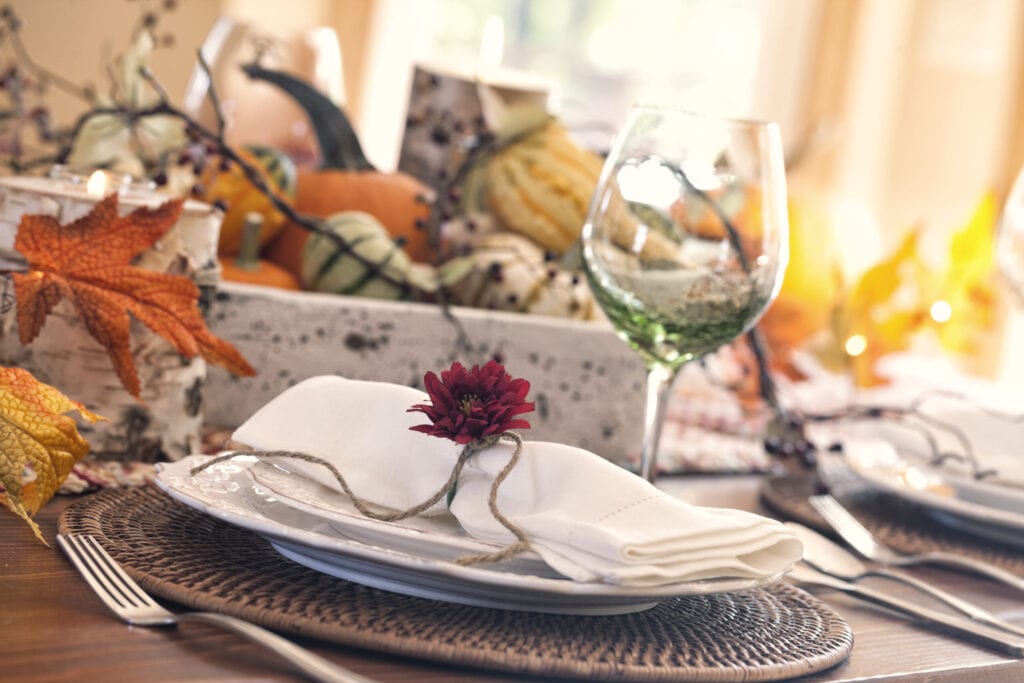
(470, 405)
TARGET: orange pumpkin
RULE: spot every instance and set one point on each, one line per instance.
(346, 180)
(258, 272)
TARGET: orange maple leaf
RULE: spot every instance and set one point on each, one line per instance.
(88, 261)
(38, 438)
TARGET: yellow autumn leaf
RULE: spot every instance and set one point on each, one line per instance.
(968, 284)
(886, 307)
(39, 442)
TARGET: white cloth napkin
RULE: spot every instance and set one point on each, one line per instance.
(587, 518)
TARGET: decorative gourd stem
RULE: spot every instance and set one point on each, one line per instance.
(338, 142)
(248, 257)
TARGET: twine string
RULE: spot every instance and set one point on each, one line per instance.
(366, 507)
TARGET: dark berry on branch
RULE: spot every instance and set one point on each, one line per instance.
(419, 224)
(400, 241)
(440, 136)
(160, 179)
(808, 459)
(149, 19)
(835, 447)
(167, 40)
(197, 189)
(220, 204)
(454, 195)
(773, 445)
(225, 164)
(470, 226)
(184, 159)
(512, 299)
(498, 357)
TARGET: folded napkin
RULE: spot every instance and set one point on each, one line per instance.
(587, 518)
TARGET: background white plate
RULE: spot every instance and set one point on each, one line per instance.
(880, 466)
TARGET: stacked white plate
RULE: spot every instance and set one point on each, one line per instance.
(318, 528)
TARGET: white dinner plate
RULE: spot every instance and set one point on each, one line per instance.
(227, 491)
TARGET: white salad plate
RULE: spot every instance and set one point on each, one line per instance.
(390, 561)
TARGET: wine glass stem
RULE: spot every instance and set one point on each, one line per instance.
(660, 380)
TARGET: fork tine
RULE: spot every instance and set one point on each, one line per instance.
(95, 579)
(105, 582)
(126, 584)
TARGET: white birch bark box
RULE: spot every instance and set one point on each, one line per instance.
(587, 384)
(166, 423)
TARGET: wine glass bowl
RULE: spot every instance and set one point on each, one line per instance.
(686, 240)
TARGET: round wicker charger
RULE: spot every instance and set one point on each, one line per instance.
(897, 523)
(180, 554)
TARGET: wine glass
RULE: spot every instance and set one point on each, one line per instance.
(1010, 240)
(686, 240)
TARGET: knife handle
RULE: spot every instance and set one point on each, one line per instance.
(940, 621)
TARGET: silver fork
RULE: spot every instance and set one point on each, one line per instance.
(133, 605)
(864, 542)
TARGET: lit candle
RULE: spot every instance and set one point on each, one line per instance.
(97, 184)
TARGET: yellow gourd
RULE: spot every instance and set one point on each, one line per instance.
(540, 187)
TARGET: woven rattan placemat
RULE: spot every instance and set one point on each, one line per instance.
(183, 555)
(899, 524)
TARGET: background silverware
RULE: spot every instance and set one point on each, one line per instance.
(864, 542)
(804, 574)
(830, 558)
(131, 604)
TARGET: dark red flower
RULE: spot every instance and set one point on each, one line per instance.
(470, 405)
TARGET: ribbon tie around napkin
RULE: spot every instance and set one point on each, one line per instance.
(587, 518)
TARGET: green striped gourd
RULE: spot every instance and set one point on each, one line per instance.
(326, 268)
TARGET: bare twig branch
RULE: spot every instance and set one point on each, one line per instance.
(211, 92)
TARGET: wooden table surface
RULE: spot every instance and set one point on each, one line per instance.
(52, 627)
